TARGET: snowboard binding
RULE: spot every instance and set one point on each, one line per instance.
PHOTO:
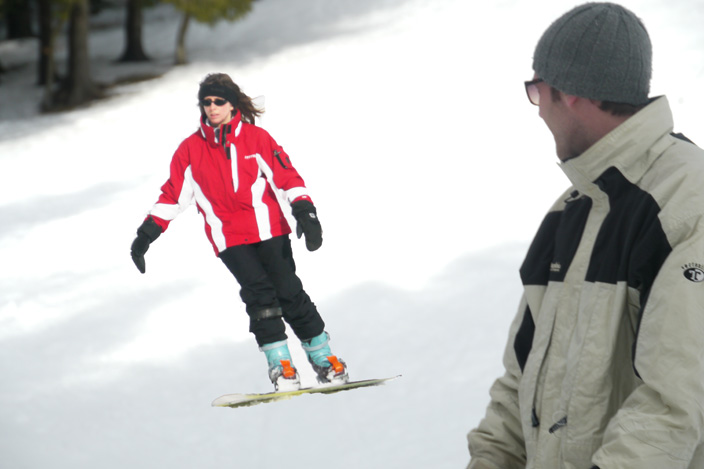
(282, 373)
(327, 367)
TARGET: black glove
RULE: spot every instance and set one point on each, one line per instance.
(146, 234)
(308, 223)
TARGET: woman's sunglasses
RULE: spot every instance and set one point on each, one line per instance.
(208, 102)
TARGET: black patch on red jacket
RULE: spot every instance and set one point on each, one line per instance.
(277, 155)
(224, 131)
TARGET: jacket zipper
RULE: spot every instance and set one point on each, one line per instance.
(224, 130)
(559, 424)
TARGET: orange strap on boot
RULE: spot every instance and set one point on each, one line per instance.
(289, 371)
(336, 365)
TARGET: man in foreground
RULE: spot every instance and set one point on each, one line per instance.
(604, 366)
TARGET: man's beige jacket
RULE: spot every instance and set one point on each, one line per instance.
(605, 361)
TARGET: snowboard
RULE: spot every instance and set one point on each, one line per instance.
(246, 400)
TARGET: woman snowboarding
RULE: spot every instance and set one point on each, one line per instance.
(241, 180)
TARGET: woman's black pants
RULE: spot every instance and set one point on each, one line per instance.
(272, 291)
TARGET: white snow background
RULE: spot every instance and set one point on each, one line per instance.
(430, 170)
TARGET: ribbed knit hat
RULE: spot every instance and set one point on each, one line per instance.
(598, 51)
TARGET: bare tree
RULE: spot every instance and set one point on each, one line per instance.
(205, 11)
(46, 42)
(78, 87)
(18, 18)
(181, 55)
(134, 52)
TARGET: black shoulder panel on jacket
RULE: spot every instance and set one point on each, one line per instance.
(682, 137)
(631, 245)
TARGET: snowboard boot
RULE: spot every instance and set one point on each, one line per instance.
(327, 367)
(282, 373)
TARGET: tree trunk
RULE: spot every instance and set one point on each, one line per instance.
(78, 88)
(181, 39)
(18, 18)
(45, 68)
(133, 33)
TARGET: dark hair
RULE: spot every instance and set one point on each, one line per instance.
(620, 109)
(235, 96)
(616, 109)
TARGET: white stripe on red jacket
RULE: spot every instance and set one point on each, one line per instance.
(238, 179)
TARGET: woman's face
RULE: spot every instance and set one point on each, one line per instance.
(217, 115)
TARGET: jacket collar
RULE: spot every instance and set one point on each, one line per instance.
(632, 147)
(229, 131)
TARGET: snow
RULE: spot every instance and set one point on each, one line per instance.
(430, 170)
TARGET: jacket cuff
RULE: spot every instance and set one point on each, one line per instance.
(302, 197)
(150, 229)
(301, 206)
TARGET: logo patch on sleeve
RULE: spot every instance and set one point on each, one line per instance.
(694, 272)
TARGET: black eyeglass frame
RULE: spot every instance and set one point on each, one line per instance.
(530, 85)
(218, 102)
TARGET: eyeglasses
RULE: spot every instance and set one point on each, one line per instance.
(533, 92)
(217, 101)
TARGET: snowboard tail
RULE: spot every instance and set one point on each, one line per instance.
(246, 400)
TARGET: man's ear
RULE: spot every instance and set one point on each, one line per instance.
(570, 100)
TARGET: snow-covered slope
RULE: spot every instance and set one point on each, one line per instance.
(430, 170)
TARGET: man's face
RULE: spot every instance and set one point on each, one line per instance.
(561, 120)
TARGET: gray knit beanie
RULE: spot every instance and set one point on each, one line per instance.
(598, 51)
